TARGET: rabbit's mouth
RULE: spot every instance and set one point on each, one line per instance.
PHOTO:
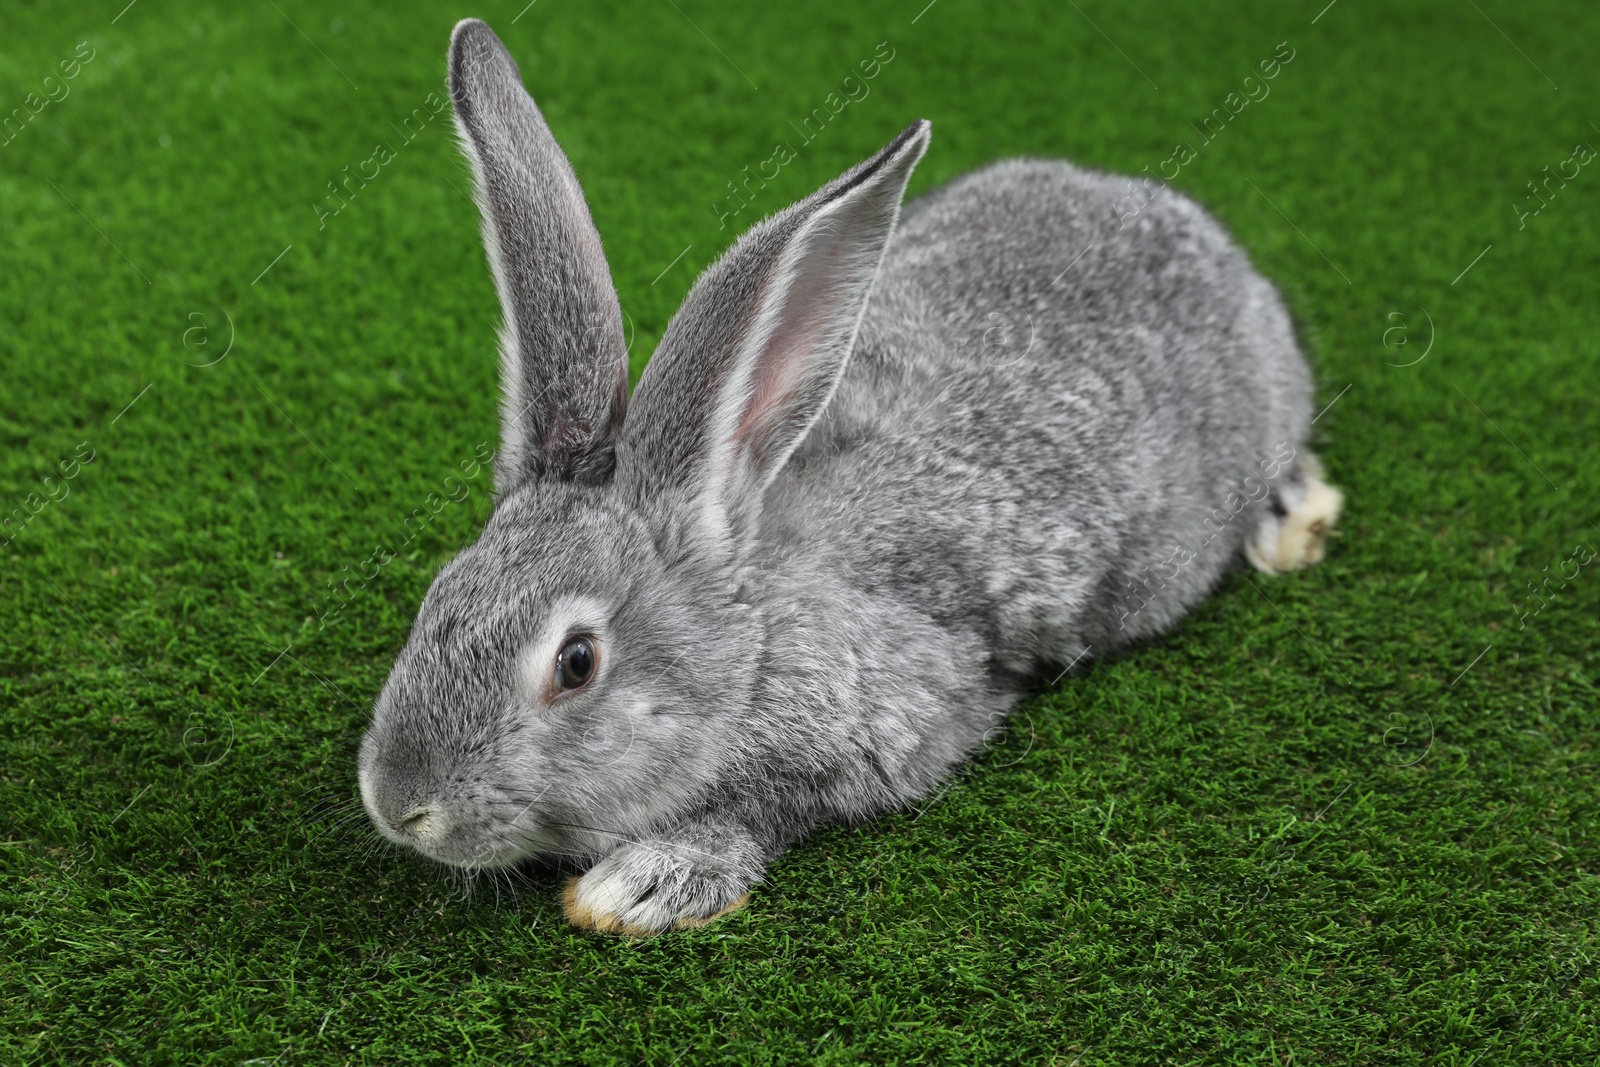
(428, 831)
(486, 857)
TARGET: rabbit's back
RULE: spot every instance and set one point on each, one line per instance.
(1053, 388)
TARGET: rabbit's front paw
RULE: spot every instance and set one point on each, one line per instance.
(655, 885)
(1292, 536)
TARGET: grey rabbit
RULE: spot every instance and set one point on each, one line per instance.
(886, 471)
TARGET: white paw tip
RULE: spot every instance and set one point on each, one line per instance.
(592, 905)
(1299, 539)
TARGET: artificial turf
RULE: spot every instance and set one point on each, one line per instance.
(1347, 816)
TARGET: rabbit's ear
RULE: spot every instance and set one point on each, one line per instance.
(750, 361)
(563, 364)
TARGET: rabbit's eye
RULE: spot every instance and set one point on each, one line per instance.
(576, 663)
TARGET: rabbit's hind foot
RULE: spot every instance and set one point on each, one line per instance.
(1292, 534)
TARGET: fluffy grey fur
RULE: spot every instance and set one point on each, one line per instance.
(883, 473)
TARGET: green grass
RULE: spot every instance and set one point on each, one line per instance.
(1343, 817)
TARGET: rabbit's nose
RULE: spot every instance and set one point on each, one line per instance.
(423, 822)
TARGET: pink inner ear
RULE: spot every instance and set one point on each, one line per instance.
(777, 379)
(797, 348)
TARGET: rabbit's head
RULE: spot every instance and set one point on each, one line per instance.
(576, 677)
